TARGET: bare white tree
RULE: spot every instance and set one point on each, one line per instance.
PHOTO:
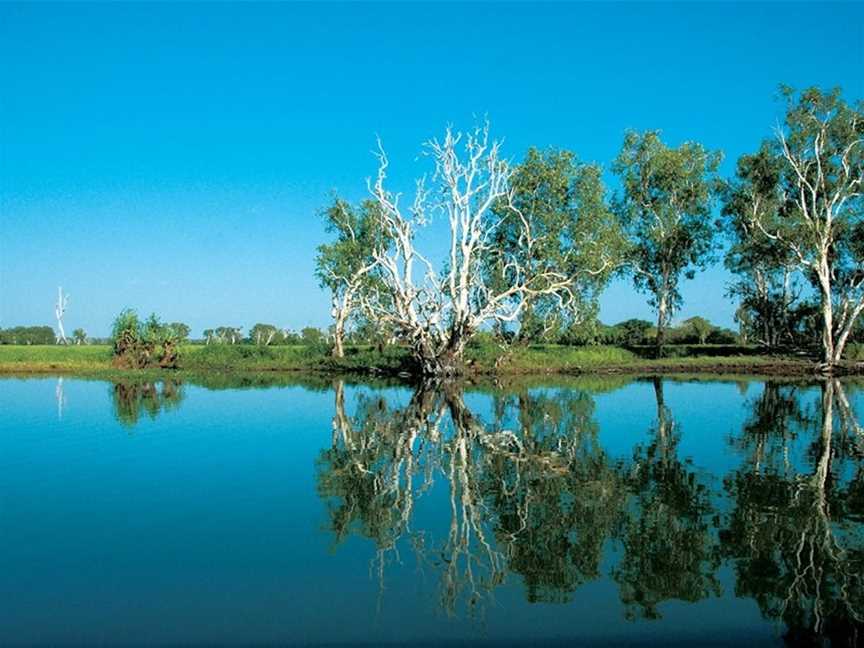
(59, 311)
(436, 314)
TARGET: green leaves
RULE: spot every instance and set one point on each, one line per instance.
(665, 210)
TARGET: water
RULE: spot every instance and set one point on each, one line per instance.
(601, 511)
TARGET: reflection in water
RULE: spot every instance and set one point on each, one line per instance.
(533, 493)
(669, 551)
(60, 397)
(795, 534)
(132, 399)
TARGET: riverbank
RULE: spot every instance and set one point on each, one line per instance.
(486, 360)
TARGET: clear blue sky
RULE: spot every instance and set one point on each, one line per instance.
(173, 157)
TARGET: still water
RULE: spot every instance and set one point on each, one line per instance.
(595, 512)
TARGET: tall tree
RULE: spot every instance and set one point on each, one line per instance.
(345, 265)
(665, 208)
(767, 284)
(436, 314)
(564, 201)
(821, 219)
(59, 312)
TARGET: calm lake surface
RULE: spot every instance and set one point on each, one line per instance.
(603, 511)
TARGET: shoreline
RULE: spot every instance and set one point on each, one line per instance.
(481, 363)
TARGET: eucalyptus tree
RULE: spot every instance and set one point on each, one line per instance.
(437, 312)
(767, 286)
(229, 334)
(561, 203)
(665, 209)
(820, 220)
(263, 334)
(345, 266)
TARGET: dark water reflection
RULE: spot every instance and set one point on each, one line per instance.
(501, 501)
(533, 494)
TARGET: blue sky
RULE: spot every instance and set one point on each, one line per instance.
(173, 158)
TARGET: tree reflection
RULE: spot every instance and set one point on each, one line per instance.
(795, 532)
(669, 548)
(132, 399)
(532, 493)
(555, 494)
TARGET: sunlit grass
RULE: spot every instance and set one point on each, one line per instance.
(480, 358)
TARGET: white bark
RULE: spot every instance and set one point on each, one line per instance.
(821, 202)
(59, 311)
(436, 314)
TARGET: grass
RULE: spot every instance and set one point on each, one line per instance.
(481, 359)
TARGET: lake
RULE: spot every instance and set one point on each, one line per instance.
(604, 511)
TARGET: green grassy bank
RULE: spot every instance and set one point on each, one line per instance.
(480, 359)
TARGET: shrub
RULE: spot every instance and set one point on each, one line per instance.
(138, 345)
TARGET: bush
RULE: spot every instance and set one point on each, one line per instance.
(27, 335)
(139, 345)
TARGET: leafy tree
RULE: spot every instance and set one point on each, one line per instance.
(819, 221)
(312, 336)
(565, 202)
(181, 331)
(700, 326)
(346, 265)
(28, 335)
(209, 335)
(633, 331)
(79, 336)
(263, 334)
(665, 209)
(767, 284)
(229, 334)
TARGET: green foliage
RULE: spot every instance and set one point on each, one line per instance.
(263, 334)
(133, 398)
(357, 232)
(573, 234)
(181, 331)
(665, 209)
(700, 326)
(139, 345)
(27, 335)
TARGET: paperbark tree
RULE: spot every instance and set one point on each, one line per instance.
(665, 208)
(821, 218)
(59, 311)
(345, 265)
(437, 313)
